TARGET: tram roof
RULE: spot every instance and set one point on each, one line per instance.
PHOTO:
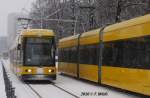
(37, 32)
(124, 30)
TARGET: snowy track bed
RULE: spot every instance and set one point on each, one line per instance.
(48, 90)
(63, 87)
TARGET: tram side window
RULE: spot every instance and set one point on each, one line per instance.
(94, 54)
(60, 55)
(107, 54)
(88, 54)
(83, 55)
(147, 55)
(119, 46)
(115, 54)
(143, 54)
(65, 55)
(141, 51)
(68, 55)
(73, 55)
(130, 54)
(136, 54)
(119, 53)
(133, 53)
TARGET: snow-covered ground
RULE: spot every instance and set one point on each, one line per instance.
(79, 87)
(76, 87)
(2, 85)
(21, 90)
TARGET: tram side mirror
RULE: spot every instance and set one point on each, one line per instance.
(19, 47)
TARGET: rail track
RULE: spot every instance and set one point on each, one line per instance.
(34, 91)
(39, 95)
(65, 90)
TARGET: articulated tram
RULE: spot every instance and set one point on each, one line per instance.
(117, 55)
(32, 55)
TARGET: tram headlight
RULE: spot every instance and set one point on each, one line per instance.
(50, 70)
(29, 70)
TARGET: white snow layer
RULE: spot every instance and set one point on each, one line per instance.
(21, 90)
(2, 84)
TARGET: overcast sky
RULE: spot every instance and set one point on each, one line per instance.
(9, 6)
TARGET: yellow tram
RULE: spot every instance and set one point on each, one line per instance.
(117, 55)
(32, 55)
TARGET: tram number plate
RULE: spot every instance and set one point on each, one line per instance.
(39, 76)
(39, 71)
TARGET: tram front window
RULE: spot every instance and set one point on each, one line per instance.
(39, 52)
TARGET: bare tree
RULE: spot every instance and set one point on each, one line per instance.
(86, 14)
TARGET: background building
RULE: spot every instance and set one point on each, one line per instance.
(16, 23)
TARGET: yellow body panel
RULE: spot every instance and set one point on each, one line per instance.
(90, 37)
(119, 34)
(68, 68)
(88, 72)
(136, 80)
(129, 32)
(68, 42)
(37, 32)
(129, 23)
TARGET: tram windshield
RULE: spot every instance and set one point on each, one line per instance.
(39, 52)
